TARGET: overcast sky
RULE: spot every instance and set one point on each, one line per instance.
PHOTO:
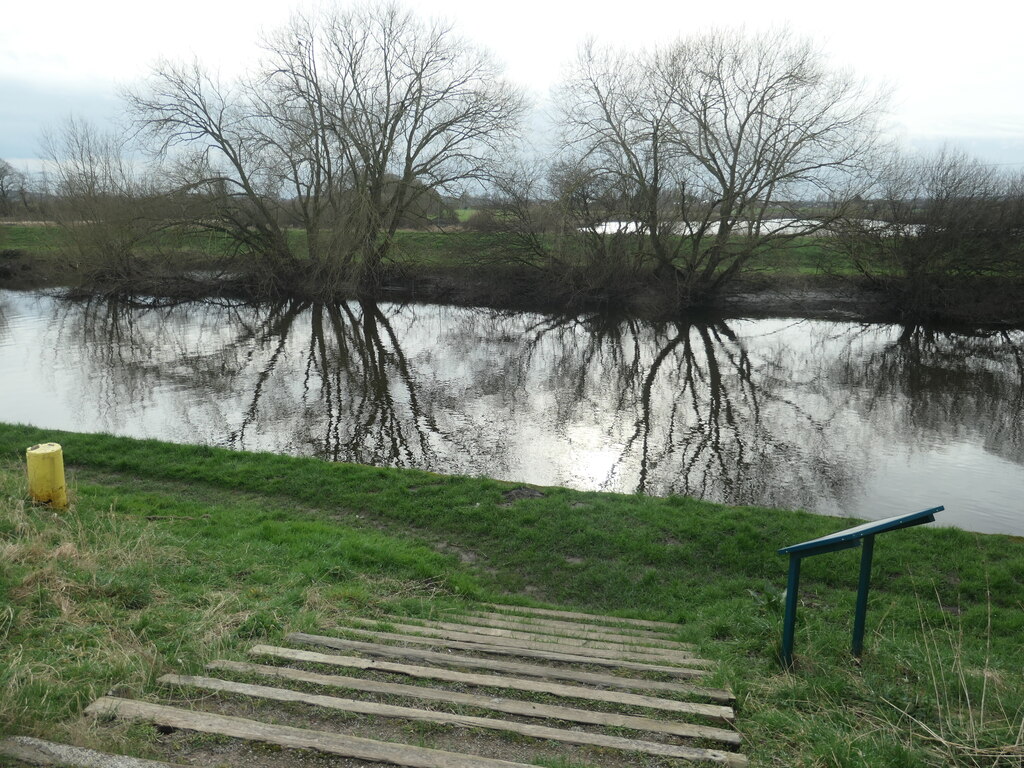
(956, 70)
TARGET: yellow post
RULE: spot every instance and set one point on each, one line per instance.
(46, 474)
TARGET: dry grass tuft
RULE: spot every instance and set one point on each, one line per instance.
(973, 718)
(55, 616)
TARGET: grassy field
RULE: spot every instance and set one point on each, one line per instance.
(33, 238)
(423, 248)
(171, 555)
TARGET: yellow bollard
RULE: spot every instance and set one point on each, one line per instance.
(46, 474)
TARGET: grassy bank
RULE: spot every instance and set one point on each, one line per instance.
(173, 554)
(810, 276)
(35, 254)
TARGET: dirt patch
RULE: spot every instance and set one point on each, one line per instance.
(465, 555)
(822, 297)
(16, 270)
(520, 493)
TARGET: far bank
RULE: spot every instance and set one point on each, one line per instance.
(805, 279)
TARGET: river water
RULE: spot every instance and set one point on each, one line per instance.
(852, 419)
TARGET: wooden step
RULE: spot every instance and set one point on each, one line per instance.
(570, 627)
(494, 665)
(551, 643)
(289, 736)
(564, 736)
(49, 753)
(561, 628)
(509, 706)
(586, 617)
(685, 672)
(713, 711)
(522, 686)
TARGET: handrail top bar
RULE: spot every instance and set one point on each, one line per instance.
(829, 543)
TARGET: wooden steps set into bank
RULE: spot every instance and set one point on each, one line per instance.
(502, 686)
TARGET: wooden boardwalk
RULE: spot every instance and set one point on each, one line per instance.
(546, 682)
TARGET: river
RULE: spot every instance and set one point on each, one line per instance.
(840, 418)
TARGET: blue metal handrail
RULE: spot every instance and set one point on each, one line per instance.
(851, 537)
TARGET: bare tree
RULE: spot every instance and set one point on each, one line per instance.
(618, 167)
(13, 187)
(413, 104)
(714, 145)
(219, 161)
(355, 116)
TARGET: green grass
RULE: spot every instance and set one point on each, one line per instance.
(469, 256)
(249, 546)
(419, 248)
(31, 238)
(426, 248)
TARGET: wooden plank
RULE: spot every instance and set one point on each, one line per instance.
(289, 736)
(510, 667)
(551, 644)
(562, 626)
(685, 672)
(49, 753)
(508, 706)
(587, 617)
(577, 640)
(714, 711)
(559, 628)
(579, 738)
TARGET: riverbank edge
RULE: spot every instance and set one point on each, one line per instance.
(507, 287)
(454, 540)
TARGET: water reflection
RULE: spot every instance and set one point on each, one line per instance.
(841, 418)
(326, 380)
(690, 411)
(937, 386)
(4, 322)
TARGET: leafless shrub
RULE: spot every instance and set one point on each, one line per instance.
(942, 234)
(14, 189)
(111, 212)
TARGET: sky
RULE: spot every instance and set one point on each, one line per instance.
(955, 70)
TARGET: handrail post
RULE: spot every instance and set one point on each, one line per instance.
(789, 623)
(859, 536)
(862, 595)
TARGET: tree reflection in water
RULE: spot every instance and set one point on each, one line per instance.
(933, 387)
(328, 380)
(783, 413)
(692, 412)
